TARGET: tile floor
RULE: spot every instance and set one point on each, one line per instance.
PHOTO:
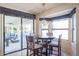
(23, 53)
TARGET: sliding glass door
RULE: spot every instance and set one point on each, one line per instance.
(27, 25)
(12, 34)
(16, 29)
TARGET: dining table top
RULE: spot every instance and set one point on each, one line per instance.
(46, 37)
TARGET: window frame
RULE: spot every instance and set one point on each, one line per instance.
(43, 30)
(63, 28)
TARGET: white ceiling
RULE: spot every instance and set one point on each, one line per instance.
(33, 8)
(64, 12)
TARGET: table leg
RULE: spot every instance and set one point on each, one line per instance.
(46, 48)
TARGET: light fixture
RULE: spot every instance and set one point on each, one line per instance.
(44, 6)
(44, 22)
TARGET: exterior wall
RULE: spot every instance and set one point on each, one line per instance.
(1, 34)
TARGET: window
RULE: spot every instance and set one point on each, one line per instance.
(12, 34)
(44, 24)
(61, 24)
(44, 28)
(44, 33)
(58, 27)
(61, 27)
(64, 33)
(27, 29)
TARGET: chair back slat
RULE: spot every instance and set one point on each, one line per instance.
(30, 43)
(59, 45)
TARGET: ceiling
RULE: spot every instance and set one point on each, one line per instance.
(64, 12)
(33, 8)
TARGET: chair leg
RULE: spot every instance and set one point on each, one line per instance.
(34, 53)
(37, 52)
(27, 52)
(41, 51)
(59, 52)
(51, 49)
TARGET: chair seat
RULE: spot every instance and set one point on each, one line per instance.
(55, 53)
(30, 53)
(53, 43)
(36, 46)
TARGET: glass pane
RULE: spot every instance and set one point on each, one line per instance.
(44, 24)
(27, 29)
(64, 33)
(61, 23)
(44, 33)
(12, 34)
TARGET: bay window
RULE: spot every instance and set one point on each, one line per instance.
(61, 26)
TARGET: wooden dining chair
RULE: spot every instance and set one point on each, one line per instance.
(56, 44)
(32, 48)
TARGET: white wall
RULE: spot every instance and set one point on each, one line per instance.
(77, 30)
(1, 34)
